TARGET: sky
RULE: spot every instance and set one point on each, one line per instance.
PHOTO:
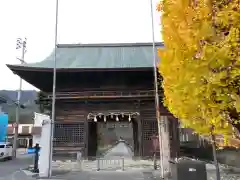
(79, 21)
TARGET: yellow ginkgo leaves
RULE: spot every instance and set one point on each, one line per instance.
(200, 63)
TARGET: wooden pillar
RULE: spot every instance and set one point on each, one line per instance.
(140, 140)
(174, 137)
(86, 134)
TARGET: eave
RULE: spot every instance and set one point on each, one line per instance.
(15, 68)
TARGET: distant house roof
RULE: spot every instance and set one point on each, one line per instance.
(99, 56)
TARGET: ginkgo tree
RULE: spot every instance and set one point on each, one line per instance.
(200, 63)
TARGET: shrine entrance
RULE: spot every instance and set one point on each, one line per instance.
(106, 131)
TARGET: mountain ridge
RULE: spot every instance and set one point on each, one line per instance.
(28, 98)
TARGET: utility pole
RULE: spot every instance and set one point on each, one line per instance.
(157, 103)
(21, 44)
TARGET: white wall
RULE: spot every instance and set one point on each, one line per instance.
(36, 139)
(45, 159)
(38, 118)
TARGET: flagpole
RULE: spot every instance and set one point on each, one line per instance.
(156, 93)
(53, 90)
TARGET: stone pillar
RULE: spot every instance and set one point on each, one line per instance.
(44, 165)
(166, 144)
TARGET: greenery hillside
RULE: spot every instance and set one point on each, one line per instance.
(28, 98)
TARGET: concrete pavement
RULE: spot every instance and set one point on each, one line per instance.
(11, 170)
(106, 176)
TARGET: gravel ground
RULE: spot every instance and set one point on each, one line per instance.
(139, 170)
(224, 175)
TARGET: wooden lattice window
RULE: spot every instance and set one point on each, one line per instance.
(149, 129)
(68, 134)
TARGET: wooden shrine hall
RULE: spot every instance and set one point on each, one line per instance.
(103, 92)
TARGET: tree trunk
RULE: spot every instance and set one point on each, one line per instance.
(215, 157)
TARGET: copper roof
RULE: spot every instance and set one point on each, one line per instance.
(97, 56)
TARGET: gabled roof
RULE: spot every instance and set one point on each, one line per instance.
(100, 56)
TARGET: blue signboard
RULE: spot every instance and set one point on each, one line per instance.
(3, 126)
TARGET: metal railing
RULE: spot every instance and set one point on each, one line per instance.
(103, 94)
(108, 163)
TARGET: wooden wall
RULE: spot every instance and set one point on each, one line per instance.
(74, 116)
